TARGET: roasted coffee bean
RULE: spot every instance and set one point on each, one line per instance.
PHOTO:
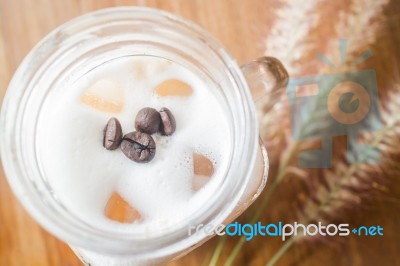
(138, 146)
(148, 120)
(112, 134)
(168, 124)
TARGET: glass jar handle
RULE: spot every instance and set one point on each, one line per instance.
(266, 77)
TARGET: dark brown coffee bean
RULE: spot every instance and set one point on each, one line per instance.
(148, 120)
(168, 124)
(138, 146)
(112, 134)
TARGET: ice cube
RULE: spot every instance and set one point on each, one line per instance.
(203, 169)
(173, 87)
(105, 95)
(119, 210)
(199, 181)
(202, 165)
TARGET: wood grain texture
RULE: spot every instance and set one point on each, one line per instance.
(240, 26)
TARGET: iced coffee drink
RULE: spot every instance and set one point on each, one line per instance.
(108, 188)
(127, 126)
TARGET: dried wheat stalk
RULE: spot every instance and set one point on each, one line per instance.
(361, 24)
(288, 38)
(362, 14)
(291, 40)
(345, 186)
(348, 185)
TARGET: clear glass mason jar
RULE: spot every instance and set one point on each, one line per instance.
(80, 45)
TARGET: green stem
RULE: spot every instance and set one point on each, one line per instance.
(282, 169)
(268, 194)
(242, 239)
(277, 256)
(207, 259)
(235, 251)
(217, 252)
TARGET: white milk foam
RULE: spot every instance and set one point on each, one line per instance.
(83, 174)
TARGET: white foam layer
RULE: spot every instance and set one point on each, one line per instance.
(83, 174)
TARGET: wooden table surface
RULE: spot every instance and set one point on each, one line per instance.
(241, 26)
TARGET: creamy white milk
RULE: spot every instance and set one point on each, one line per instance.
(83, 174)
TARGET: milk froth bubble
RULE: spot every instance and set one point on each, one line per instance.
(83, 175)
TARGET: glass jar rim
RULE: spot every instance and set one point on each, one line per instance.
(77, 236)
